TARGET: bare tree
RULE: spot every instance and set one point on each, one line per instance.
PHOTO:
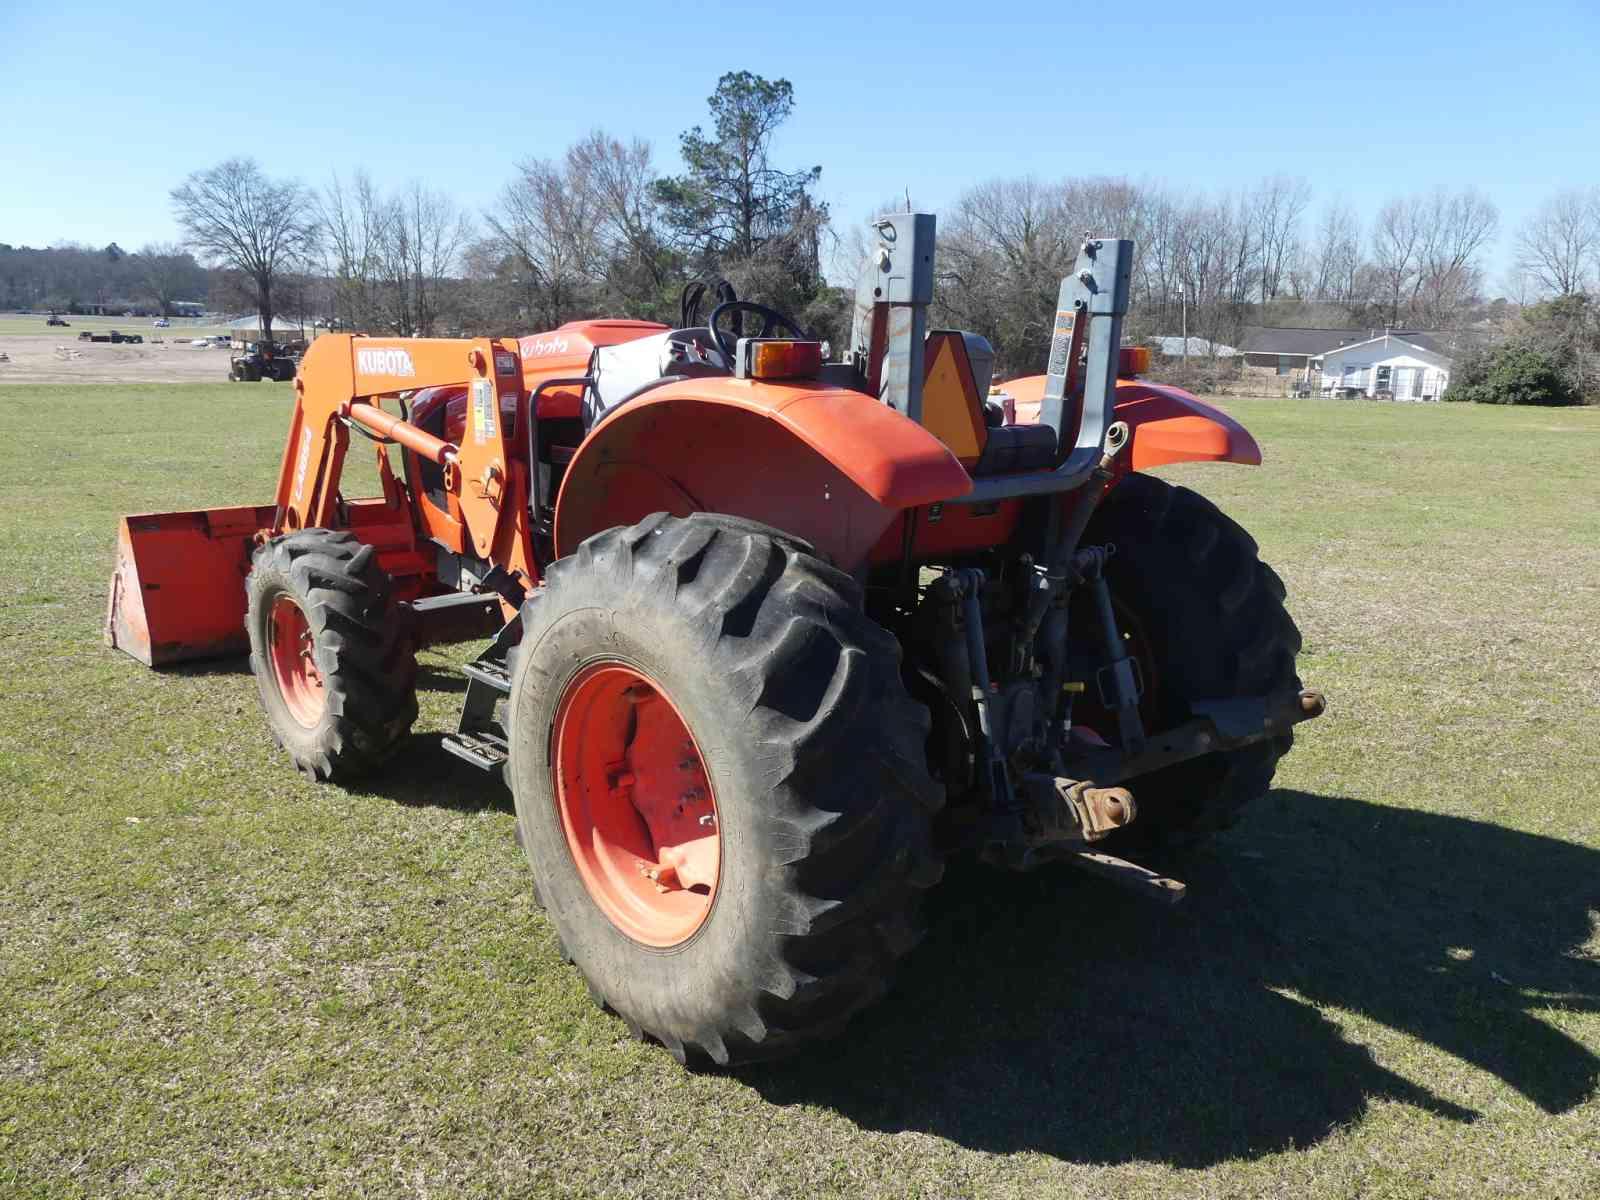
(167, 272)
(1220, 265)
(1455, 229)
(236, 217)
(1276, 207)
(425, 235)
(548, 221)
(1396, 249)
(1560, 244)
(621, 179)
(1337, 256)
(1002, 253)
(355, 227)
(1006, 245)
(1425, 252)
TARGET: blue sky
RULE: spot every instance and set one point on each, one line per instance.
(105, 106)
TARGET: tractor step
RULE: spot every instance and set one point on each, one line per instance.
(480, 738)
(483, 748)
(489, 672)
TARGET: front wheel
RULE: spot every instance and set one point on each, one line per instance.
(720, 784)
(1205, 618)
(333, 660)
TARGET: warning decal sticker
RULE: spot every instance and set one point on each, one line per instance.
(483, 410)
(1061, 343)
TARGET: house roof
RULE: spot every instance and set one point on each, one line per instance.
(1171, 346)
(1269, 339)
(1411, 339)
(1435, 342)
(1312, 343)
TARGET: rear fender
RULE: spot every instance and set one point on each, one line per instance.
(832, 466)
(1166, 424)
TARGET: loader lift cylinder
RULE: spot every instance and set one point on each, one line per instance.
(388, 425)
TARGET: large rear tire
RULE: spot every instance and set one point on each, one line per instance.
(1206, 619)
(706, 692)
(334, 662)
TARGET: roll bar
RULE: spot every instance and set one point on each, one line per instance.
(887, 338)
(1089, 311)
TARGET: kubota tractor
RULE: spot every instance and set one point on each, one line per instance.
(771, 636)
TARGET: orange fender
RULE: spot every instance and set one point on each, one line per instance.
(832, 466)
(1166, 424)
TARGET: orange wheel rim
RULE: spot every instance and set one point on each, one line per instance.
(636, 804)
(293, 665)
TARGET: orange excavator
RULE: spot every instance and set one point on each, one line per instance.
(769, 637)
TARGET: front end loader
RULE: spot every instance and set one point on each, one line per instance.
(768, 637)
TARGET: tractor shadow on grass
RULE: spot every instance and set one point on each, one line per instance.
(1053, 1013)
(431, 677)
(238, 664)
(423, 774)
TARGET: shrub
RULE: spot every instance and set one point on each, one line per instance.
(1512, 373)
(1200, 374)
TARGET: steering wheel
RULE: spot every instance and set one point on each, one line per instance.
(770, 319)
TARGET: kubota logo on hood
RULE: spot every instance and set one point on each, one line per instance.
(384, 362)
(539, 347)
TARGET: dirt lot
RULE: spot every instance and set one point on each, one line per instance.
(59, 357)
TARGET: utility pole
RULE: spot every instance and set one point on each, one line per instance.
(1183, 300)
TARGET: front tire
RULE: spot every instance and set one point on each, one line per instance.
(334, 663)
(751, 662)
(1205, 617)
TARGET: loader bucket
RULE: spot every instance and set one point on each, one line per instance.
(178, 590)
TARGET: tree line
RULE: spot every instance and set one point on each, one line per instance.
(602, 230)
(72, 278)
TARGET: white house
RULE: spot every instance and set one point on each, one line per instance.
(1388, 367)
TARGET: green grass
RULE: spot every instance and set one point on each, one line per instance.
(14, 323)
(219, 980)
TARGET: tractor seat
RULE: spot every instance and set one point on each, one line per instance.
(1010, 449)
(624, 370)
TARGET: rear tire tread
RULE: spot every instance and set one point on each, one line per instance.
(850, 874)
(1188, 551)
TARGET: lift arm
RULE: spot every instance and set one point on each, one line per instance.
(341, 380)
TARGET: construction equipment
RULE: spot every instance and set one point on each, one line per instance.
(770, 637)
(262, 360)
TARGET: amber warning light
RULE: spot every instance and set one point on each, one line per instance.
(761, 358)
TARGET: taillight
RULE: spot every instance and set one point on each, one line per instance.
(763, 358)
(1132, 360)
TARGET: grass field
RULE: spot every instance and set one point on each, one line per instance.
(15, 323)
(219, 980)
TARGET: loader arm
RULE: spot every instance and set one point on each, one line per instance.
(177, 590)
(342, 377)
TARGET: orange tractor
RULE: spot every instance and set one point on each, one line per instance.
(770, 636)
